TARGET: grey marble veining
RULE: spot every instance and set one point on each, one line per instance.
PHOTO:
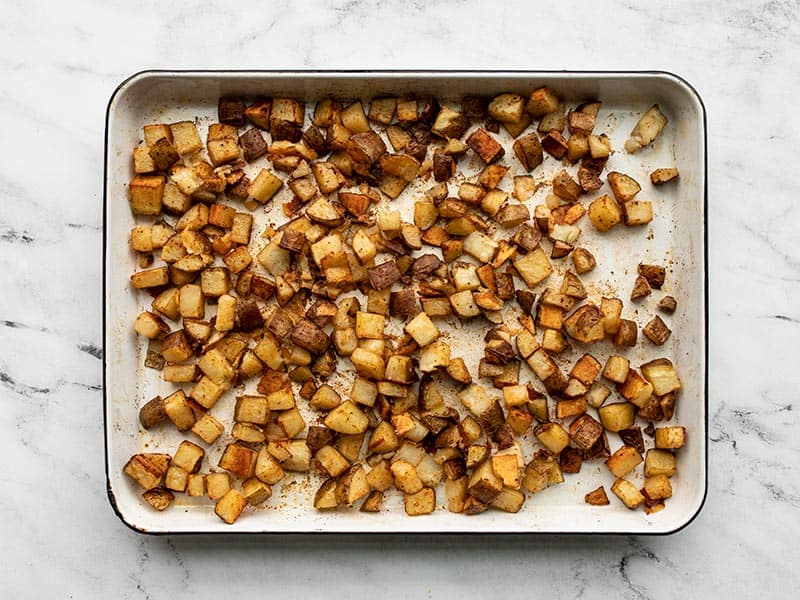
(60, 62)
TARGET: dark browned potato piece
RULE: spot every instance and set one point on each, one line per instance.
(525, 299)
(315, 139)
(403, 304)
(158, 498)
(632, 437)
(570, 460)
(230, 111)
(667, 304)
(641, 288)
(444, 167)
(248, 315)
(163, 154)
(565, 187)
(318, 436)
(384, 274)
(152, 413)
(474, 107)
(585, 431)
(528, 149)
(485, 146)
(654, 274)
(589, 180)
(580, 121)
(293, 241)
(597, 497)
(365, 148)
(656, 331)
(307, 335)
(253, 144)
(425, 265)
(555, 144)
(286, 119)
(627, 333)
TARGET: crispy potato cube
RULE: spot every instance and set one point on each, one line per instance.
(506, 108)
(662, 375)
(662, 176)
(637, 212)
(616, 369)
(370, 326)
(256, 492)
(617, 416)
(604, 213)
(146, 471)
(586, 369)
(552, 436)
(624, 187)
(176, 479)
(188, 456)
(215, 281)
(267, 469)
(265, 186)
(191, 302)
(485, 146)
(670, 437)
(647, 129)
(533, 267)
(405, 476)
(208, 429)
(196, 485)
(585, 431)
(347, 418)
(656, 331)
(206, 392)
(484, 484)
(368, 364)
(597, 497)
(658, 487)
(179, 411)
(230, 506)
(145, 193)
(597, 394)
(422, 502)
(185, 137)
(542, 101)
(422, 329)
(585, 324)
(252, 409)
(627, 333)
(659, 462)
(636, 388)
(150, 325)
(507, 467)
(611, 309)
(142, 161)
(623, 461)
(627, 492)
(239, 460)
(159, 498)
(217, 485)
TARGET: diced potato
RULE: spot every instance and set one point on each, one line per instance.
(217, 485)
(670, 437)
(422, 502)
(552, 436)
(533, 267)
(627, 492)
(230, 506)
(623, 461)
(604, 213)
(347, 418)
(647, 129)
(617, 416)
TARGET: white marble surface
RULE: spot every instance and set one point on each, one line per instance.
(60, 64)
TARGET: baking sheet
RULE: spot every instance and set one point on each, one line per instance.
(676, 238)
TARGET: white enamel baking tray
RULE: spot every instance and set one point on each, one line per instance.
(676, 238)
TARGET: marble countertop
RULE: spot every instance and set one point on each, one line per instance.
(59, 64)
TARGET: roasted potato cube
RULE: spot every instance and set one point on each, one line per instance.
(239, 460)
(422, 502)
(604, 213)
(449, 124)
(597, 394)
(159, 498)
(616, 369)
(484, 484)
(585, 431)
(566, 188)
(647, 129)
(533, 267)
(163, 154)
(145, 193)
(637, 212)
(627, 333)
(627, 492)
(145, 470)
(542, 101)
(662, 176)
(207, 428)
(217, 485)
(485, 146)
(623, 461)
(286, 119)
(635, 388)
(597, 497)
(656, 331)
(662, 375)
(506, 108)
(585, 324)
(624, 187)
(230, 506)
(670, 437)
(188, 457)
(422, 329)
(617, 416)
(552, 436)
(347, 418)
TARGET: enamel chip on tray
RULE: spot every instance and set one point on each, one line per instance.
(346, 288)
